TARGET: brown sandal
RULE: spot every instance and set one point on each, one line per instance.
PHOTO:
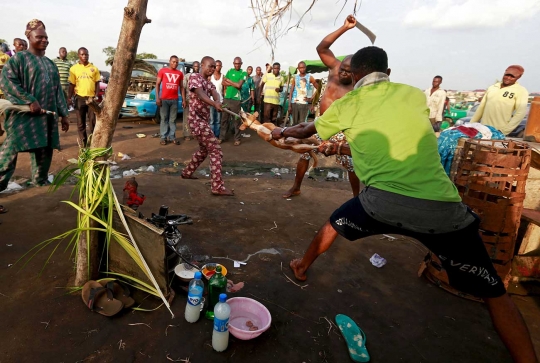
(120, 292)
(224, 193)
(236, 143)
(188, 177)
(100, 299)
(163, 142)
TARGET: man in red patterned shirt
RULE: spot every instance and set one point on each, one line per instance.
(199, 114)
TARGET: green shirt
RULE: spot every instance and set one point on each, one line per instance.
(232, 93)
(393, 145)
(247, 87)
(63, 70)
(27, 78)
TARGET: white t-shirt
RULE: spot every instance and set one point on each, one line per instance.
(218, 85)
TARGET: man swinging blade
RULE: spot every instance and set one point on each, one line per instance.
(339, 83)
(407, 192)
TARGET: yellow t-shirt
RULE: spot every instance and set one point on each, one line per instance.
(84, 78)
(3, 58)
(271, 82)
(503, 108)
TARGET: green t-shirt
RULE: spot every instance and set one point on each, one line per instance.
(247, 87)
(392, 142)
(232, 93)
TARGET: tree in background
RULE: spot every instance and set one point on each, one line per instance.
(111, 51)
(3, 41)
(146, 56)
(73, 56)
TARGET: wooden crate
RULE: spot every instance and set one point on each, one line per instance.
(151, 243)
(490, 176)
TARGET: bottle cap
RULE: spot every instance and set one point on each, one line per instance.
(222, 298)
(218, 269)
(198, 275)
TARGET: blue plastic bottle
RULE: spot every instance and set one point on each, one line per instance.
(194, 301)
(220, 335)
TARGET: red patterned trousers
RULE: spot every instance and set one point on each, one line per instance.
(208, 146)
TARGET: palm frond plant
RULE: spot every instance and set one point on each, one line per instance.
(95, 210)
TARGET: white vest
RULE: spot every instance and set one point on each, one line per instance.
(218, 85)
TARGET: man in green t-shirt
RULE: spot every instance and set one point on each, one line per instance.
(248, 91)
(233, 80)
(394, 151)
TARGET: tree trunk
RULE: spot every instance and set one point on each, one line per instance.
(107, 115)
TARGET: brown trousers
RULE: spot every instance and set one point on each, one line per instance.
(82, 112)
(270, 112)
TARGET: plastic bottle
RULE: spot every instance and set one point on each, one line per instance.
(220, 335)
(216, 285)
(195, 293)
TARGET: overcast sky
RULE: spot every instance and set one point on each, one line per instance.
(468, 42)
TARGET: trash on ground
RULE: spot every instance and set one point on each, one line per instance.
(50, 178)
(246, 135)
(255, 179)
(113, 168)
(140, 136)
(127, 173)
(332, 176)
(9, 245)
(377, 261)
(151, 169)
(258, 174)
(125, 157)
(175, 164)
(12, 187)
(232, 287)
(242, 203)
(156, 135)
(239, 264)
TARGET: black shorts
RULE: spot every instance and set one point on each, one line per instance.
(461, 252)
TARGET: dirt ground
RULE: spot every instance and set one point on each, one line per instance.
(405, 318)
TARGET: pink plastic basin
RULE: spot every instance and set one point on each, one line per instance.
(244, 309)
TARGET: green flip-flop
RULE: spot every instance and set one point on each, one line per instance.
(355, 338)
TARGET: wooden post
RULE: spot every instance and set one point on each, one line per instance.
(107, 114)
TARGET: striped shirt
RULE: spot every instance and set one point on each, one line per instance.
(63, 69)
(271, 82)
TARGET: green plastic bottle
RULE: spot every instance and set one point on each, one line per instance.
(216, 286)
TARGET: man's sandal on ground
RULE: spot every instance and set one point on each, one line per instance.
(120, 291)
(354, 337)
(100, 299)
(3, 209)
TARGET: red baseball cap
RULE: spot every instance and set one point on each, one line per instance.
(515, 70)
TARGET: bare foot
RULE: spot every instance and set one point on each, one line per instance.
(291, 193)
(188, 177)
(298, 272)
(224, 192)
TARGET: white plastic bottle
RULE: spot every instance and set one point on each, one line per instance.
(195, 293)
(220, 336)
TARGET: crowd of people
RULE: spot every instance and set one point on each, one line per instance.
(380, 130)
